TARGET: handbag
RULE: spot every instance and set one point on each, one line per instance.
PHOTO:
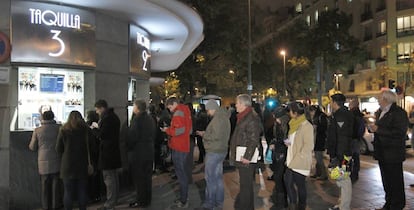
(268, 158)
(90, 166)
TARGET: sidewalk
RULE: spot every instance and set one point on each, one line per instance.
(367, 192)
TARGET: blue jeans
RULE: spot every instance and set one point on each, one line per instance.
(180, 160)
(73, 187)
(213, 173)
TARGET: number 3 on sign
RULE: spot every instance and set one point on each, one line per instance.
(58, 39)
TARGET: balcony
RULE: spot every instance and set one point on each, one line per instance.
(367, 37)
(404, 4)
(381, 33)
(402, 32)
(381, 8)
(366, 16)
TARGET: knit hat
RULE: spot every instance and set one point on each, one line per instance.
(211, 105)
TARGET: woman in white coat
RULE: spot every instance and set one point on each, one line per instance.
(299, 156)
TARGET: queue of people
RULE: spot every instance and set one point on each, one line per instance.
(298, 132)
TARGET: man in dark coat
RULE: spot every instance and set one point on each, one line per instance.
(107, 131)
(390, 131)
(246, 134)
(339, 145)
(140, 144)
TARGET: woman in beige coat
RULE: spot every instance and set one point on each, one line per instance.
(299, 156)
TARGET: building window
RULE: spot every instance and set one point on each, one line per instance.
(382, 28)
(351, 86)
(381, 5)
(299, 8)
(383, 53)
(404, 4)
(405, 26)
(405, 52)
(308, 20)
(316, 16)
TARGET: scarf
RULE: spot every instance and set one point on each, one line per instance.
(243, 114)
(295, 122)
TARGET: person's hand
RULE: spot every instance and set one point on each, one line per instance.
(200, 133)
(94, 125)
(244, 161)
(163, 129)
(287, 142)
(372, 128)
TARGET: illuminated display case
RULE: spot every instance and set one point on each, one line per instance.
(41, 89)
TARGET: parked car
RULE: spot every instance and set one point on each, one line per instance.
(367, 140)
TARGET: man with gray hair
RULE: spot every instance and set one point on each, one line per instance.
(390, 130)
(247, 135)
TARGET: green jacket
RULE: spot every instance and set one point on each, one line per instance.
(217, 133)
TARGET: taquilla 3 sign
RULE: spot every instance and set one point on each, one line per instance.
(48, 33)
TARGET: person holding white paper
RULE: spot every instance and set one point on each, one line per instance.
(299, 156)
(246, 134)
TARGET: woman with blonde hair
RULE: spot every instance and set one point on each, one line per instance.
(72, 145)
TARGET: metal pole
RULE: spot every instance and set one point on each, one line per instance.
(249, 60)
(284, 74)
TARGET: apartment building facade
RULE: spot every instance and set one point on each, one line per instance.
(386, 30)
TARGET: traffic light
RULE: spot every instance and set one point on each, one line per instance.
(391, 84)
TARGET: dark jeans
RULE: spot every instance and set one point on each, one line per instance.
(180, 161)
(141, 171)
(75, 187)
(293, 181)
(190, 161)
(201, 149)
(279, 169)
(95, 185)
(355, 159)
(51, 195)
(393, 183)
(245, 198)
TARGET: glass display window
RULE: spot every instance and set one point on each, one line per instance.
(42, 89)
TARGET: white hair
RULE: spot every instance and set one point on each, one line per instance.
(389, 96)
(245, 99)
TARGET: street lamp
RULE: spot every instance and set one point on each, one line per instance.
(231, 71)
(249, 60)
(283, 53)
(337, 80)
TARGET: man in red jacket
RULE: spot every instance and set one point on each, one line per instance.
(179, 131)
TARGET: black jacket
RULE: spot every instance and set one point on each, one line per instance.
(71, 144)
(320, 121)
(141, 135)
(339, 134)
(389, 139)
(246, 133)
(108, 133)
